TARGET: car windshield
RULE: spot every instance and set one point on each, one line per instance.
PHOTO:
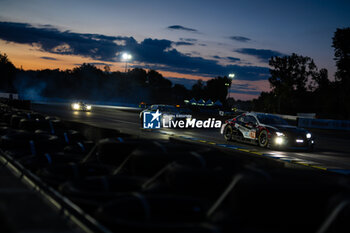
(271, 120)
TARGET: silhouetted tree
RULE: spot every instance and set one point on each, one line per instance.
(289, 77)
(107, 69)
(155, 79)
(266, 102)
(320, 80)
(180, 92)
(7, 73)
(198, 89)
(217, 88)
(324, 96)
(231, 102)
(341, 45)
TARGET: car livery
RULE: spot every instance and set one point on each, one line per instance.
(266, 130)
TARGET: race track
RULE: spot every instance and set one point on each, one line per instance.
(332, 150)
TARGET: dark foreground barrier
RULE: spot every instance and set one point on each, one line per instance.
(106, 181)
(16, 103)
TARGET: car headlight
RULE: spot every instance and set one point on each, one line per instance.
(280, 134)
(88, 107)
(308, 135)
(76, 106)
(279, 140)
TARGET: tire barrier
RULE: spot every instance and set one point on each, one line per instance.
(116, 182)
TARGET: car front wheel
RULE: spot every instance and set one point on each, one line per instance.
(228, 133)
(263, 139)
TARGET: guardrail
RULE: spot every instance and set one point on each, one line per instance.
(124, 108)
(324, 124)
(9, 95)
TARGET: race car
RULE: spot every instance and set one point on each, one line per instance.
(266, 130)
(81, 106)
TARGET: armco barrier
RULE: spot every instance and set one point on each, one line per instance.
(9, 95)
(307, 115)
(324, 124)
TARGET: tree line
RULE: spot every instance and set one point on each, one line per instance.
(298, 86)
(88, 82)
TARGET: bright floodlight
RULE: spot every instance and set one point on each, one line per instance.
(126, 56)
(231, 75)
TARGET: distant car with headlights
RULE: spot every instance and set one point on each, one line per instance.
(81, 106)
(267, 130)
(143, 105)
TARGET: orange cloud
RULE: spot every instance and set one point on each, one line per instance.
(30, 58)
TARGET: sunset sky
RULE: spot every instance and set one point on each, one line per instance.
(184, 40)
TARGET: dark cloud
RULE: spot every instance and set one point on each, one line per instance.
(159, 55)
(244, 89)
(233, 59)
(262, 54)
(188, 39)
(180, 43)
(210, 68)
(255, 93)
(240, 38)
(182, 28)
(235, 88)
(154, 53)
(49, 39)
(49, 58)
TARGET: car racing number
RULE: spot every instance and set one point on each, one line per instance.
(252, 134)
(247, 133)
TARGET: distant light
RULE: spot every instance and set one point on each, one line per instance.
(308, 135)
(227, 84)
(299, 140)
(231, 75)
(126, 56)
